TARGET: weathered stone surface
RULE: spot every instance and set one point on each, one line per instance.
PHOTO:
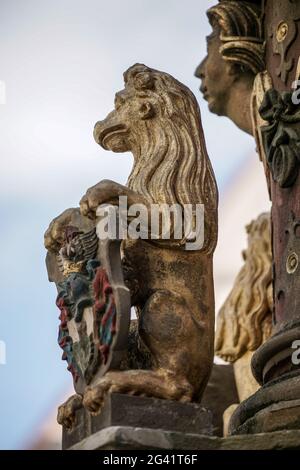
(273, 407)
(220, 393)
(131, 411)
(273, 418)
(130, 438)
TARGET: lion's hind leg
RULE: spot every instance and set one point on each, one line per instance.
(177, 339)
(158, 384)
(174, 340)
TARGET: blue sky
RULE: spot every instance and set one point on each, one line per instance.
(62, 61)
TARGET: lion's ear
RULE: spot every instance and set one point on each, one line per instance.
(146, 110)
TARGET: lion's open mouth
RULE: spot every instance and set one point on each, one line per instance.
(103, 136)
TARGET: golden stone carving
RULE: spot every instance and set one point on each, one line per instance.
(235, 54)
(66, 412)
(158, 120)
(245, 320)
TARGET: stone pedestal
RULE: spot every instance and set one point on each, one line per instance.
(277, 405)
(125, 411)
(130, 438)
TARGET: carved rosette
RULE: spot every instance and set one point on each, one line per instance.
(281, 137)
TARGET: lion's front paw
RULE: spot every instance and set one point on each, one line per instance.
(105, 192)
(112, 382)
(66, 411)
(94, 396)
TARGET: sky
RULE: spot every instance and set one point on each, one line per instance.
(62, 62)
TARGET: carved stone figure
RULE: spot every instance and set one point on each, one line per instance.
(235, 54)
(158, 120)
(245, 320)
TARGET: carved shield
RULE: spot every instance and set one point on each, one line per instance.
(94, 303)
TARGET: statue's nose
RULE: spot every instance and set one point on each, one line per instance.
(200, 70)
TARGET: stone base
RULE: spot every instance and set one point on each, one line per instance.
(274, 407)
(130, 438)
(125, 411)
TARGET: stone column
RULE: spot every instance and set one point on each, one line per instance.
(277, 404)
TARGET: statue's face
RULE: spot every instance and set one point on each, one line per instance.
(115, 132)
(216, 75)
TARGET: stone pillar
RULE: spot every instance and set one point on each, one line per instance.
(277, 404)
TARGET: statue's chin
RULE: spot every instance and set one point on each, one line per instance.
(214, 107)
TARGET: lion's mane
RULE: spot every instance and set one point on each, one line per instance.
(172, 165)
(245, 319)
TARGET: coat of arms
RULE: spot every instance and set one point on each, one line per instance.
(93, 300)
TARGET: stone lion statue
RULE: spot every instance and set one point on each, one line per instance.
(158, 119)
(245, 320)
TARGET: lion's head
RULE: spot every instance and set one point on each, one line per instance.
(158, 119)
(245, 320)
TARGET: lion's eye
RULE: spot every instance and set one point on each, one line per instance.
(143, 81)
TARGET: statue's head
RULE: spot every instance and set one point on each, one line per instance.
(235, 51)
(157, 118)
(151, 103)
